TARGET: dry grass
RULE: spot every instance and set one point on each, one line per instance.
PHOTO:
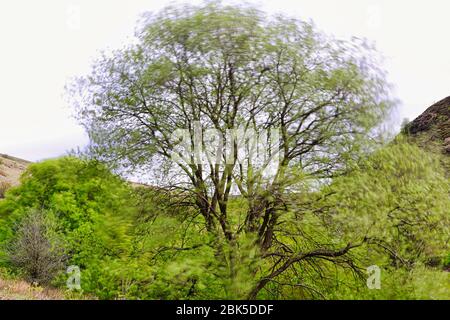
(11, 169)
(21, 290)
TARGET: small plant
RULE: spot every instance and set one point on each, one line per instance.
(4, 186)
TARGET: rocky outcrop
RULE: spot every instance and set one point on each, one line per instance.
(433, 126)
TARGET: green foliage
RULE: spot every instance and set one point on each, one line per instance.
(398, 198)
(142, 244)
(87, 202)
(396, 205)
(420, 283)
(133, 244)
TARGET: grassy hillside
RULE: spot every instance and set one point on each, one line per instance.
(10, 170)
(431, 130)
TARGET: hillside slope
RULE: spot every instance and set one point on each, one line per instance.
(432, 128)
(10, 170)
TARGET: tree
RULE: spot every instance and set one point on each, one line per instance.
(303, 100)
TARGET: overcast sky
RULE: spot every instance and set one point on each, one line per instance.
(43, 43)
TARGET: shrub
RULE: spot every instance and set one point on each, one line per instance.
(4, 186)
(36, 249)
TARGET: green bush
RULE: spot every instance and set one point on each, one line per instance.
(90, 205)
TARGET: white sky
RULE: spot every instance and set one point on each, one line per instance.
(43, 43)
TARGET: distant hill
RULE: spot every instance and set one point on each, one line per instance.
(10, 170)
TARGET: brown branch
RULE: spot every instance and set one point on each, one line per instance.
(297, 258)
